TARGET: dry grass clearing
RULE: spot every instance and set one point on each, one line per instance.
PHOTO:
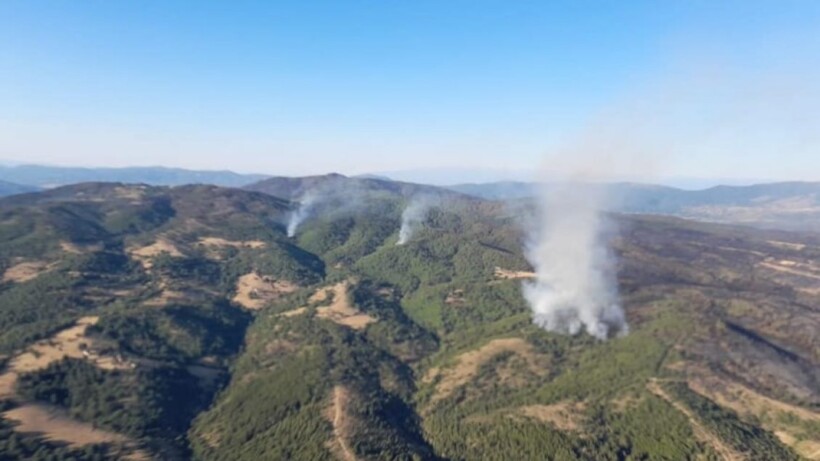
(56, 426)
(467, 365)
(726, 452)
(779, 417)
(75, 248)
(565, 416)
(340, 310)
(455, 298)
(337, 415)
(790, 267)
(166, 297)
(134, 193)
(220, 242)
(787, 245)
(25, 271)
(52, 423)
(253, 291)
(145, 254)
(68, 343)
(294, 312)
(506, 274)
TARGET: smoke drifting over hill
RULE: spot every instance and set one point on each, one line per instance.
(306, 203)
(413, 217)
(575, 285)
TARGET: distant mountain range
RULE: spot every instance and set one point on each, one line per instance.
(52, 176)
(787, 205)
(10, 188)
(784, 205)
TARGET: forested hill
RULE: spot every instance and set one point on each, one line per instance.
(142, 322)
(345, 186)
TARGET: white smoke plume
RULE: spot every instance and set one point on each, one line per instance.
(575, 285)
(297, 216)
(413, 217)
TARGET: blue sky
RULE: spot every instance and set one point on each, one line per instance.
(653, 89)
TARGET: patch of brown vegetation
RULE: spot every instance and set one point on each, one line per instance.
(165, 297)
(25, 271)
(564, 416)
(133, 193)
(787, 245)
(74, 248)
(340, 310)
(455, 298)
(467, 365)
(770, 412)
(294, 312)
(220, 242)
(253, 291)
(68, 343)
(506, 274)
(337, 414)
(789, 267)
(56, 426)
(212, 438)
(321, 295)
(723, 450)
(145, 254)
(280, 346)
(625, 402)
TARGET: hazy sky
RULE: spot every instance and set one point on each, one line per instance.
(656, 88)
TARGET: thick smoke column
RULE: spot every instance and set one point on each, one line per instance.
(575, 283)
(300, 214)
(413, 217)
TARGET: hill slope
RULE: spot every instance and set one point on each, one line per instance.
(179, 323)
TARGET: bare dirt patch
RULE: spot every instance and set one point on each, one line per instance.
(25, 271)
(340, 310)
(253, 291)
(467, 365)
(565, 416)
(145, 254)
(56, 426)
(506, 274)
